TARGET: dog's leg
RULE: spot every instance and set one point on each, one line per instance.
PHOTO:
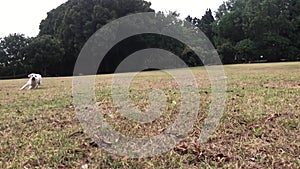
(32, 86)
(36, 86)
(22, 88)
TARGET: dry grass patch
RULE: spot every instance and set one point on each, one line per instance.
(259, 129)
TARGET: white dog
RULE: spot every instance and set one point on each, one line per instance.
(33, 82)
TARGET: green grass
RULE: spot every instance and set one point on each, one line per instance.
(259, 129)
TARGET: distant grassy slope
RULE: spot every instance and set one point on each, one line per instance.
(259, 129)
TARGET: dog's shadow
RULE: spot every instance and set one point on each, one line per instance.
(40, 88)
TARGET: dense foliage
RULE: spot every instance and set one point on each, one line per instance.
(75, 21)
(250, 30)
(242, 31)
(12, 57)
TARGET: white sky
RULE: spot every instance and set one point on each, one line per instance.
(24, 16)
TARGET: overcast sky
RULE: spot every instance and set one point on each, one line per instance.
(24, 16)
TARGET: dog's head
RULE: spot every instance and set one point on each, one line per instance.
(37, 76)
(32, 80)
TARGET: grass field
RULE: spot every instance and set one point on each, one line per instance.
(260, 127)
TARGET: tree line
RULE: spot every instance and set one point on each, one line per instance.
(242, 31)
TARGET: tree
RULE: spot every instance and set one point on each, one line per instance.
(12, 56)
(269, 24)
(75, 21)
(227, 52)
(135, 43)
(245, 51)
(204, 24)
(44, 55)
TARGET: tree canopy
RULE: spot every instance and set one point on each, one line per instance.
(76, 20)
(245, 30)
(12, 58)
